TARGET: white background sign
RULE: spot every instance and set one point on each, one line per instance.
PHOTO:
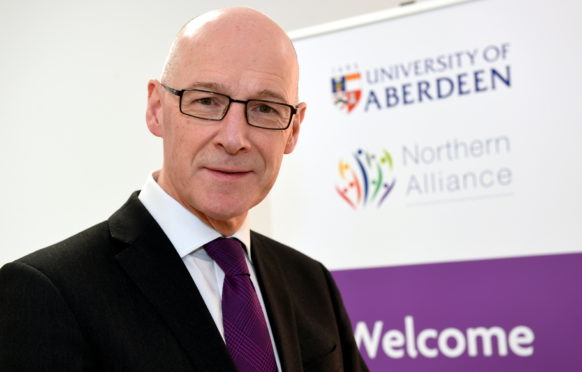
(490, 170)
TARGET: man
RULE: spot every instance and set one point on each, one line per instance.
(149, 289)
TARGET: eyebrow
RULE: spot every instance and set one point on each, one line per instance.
(207, 85)
(219, 88)
(269, 94)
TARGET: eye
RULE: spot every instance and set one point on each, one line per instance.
(206, 101)
(197, 99)
(266, 109)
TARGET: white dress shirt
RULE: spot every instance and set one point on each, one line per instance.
(188, 234)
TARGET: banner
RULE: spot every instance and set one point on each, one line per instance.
(517, 314)
(437, 174)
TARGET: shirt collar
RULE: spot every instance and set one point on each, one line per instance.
(184, 229)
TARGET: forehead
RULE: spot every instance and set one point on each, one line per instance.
(239, 58)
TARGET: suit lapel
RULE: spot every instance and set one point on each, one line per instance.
(153, 264)
(278, 304)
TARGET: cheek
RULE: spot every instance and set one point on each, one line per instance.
(175, 149)
(273, 157)
(185, 141)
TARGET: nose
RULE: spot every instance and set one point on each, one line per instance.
(233, 130)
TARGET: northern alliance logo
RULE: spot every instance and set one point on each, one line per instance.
(367, 179)
(346, 90)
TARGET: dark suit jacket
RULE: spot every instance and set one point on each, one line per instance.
(117, 297)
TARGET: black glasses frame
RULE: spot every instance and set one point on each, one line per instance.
(180, 93)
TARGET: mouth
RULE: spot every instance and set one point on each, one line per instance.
(229, 174)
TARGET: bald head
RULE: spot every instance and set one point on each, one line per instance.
(233, 35)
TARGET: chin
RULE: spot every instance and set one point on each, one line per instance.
(226, 211)
(224, 206)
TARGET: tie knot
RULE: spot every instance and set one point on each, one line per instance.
(229, 255)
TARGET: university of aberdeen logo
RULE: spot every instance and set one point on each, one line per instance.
(346, 90)
(367, 180)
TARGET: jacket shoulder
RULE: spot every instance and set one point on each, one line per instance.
(96, 245)
(85, 246)
(280, 250)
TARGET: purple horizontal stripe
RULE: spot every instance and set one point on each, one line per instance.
(542, 293)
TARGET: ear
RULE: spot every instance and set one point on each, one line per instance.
(295, 126)
(154, 108)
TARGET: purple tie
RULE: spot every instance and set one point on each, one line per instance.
(245, 330)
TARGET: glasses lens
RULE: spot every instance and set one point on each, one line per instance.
(268, 114)
(205, 105)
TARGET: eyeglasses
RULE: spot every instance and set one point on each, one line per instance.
(208, 105)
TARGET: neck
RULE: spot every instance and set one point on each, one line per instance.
(225, 228)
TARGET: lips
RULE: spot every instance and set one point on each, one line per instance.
(228, 173)
(228, 170)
